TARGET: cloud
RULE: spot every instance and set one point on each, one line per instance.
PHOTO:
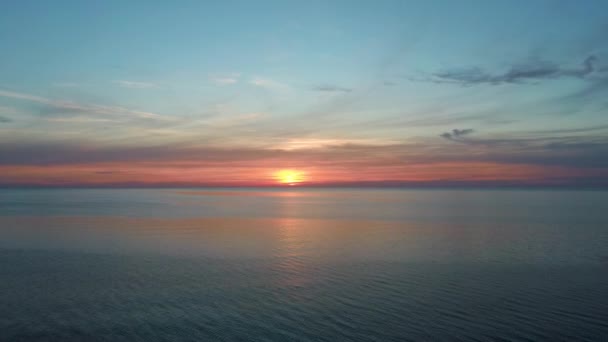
(315, 143)
(522, 72)
(565, 151)
(12, 112)
(82, 152)
(558, 160)
(331, 88)
(135, 84)
(572, 130)
(226, 79)
(232, 120)
(92, 109)
(566, 148)
(597, 86)
(267, 83)
(456, 133)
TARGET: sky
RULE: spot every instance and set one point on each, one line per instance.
(236, 93)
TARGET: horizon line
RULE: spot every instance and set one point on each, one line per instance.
(314, 186)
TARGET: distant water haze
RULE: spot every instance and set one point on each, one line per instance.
(303, 264)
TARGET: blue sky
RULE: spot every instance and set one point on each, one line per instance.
(401, 82)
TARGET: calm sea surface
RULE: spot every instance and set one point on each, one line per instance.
(303, 265)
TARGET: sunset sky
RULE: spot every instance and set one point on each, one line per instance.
(144, 93)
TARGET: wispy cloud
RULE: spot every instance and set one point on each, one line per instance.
(135, 84)
(331, 88)
(315, 143)
(5, 110)
(572, 130)
(267, 83)
(70, 106)
(232, 120)
(226, 79)
(596, 87)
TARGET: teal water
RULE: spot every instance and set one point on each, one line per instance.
(303, 265)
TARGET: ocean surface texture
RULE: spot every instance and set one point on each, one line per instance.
(303, 265)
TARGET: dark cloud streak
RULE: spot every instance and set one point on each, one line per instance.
(518, 73)
(456, 133)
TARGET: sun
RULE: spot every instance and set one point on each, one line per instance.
(289, 177)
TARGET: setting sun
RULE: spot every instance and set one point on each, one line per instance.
(290, 177)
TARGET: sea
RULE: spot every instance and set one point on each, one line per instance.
(303, 264)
